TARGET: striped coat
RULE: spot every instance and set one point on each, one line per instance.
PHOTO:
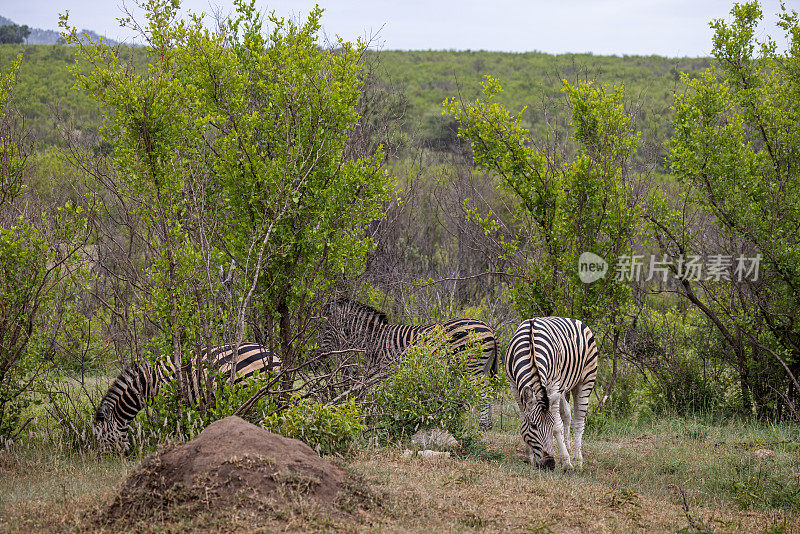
(548, 359)
(138, 384)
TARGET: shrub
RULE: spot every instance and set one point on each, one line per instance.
(429, 386)
(24, 291)
(165, 423)
(327, 429)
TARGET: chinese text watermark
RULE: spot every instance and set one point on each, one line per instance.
(716, 267)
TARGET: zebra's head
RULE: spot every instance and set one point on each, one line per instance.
(538, 417)
(120, 404)
(110, 432)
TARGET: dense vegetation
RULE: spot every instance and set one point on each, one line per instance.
(221, 186)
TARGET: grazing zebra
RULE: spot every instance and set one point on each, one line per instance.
(357, 325)
(548, 359)
(139, 383)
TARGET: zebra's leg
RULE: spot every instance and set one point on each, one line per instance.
(581, 392)
(558, 431)
(485, 418)
(556, 399)
(566, 417)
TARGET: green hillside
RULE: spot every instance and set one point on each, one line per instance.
(45, 94)
(532, 79)
(423, 78)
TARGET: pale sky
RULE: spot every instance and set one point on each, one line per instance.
(635, 27)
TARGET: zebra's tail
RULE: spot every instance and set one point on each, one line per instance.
(490, 369)
(496, 361)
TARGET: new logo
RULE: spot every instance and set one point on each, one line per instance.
(591, 267)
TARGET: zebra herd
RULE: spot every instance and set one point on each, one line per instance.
(548, 360)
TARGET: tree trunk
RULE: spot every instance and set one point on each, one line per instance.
(287, 356)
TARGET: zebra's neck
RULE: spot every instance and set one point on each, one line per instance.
(134, 387)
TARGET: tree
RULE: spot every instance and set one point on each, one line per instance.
(230, 150)
(562, 206)
(14, 34)
(736, 153)
(20, 267)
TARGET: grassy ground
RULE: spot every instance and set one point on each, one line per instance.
(44, 489)
(635, 478)
(630, 483)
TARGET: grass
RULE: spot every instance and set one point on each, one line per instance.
(635, 478)
(713, 463)
(44, 489)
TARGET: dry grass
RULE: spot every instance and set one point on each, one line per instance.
(634, 479)
(507, 495)
(43, 490)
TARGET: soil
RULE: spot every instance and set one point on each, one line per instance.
(231, 464)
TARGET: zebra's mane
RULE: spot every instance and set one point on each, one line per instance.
(536, 375)
(355, 306)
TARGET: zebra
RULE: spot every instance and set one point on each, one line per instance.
(360, 326)
(548, 359)
(138, 384)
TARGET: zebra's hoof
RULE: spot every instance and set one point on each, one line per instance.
(568, 470)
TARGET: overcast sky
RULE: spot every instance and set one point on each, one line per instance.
(665, 27)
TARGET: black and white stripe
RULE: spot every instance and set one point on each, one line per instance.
(139, 384)
(355, 325)
(548, 359)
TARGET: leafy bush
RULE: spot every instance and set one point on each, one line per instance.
(681, 367)
(430, 386)
(682, 388)
(325, 428)
(164, 422)
(621, 401)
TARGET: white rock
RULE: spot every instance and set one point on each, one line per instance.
(762, 454)
(435, 438)
(429, 454)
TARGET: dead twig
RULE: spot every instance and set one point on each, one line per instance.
(696, 524)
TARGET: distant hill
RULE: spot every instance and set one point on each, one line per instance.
(49, 37)
(422, 80)
(532, 80)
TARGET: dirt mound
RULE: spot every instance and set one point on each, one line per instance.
(232, 463)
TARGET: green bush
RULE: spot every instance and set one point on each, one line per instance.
(429, 387)
(680, 387)
(164, 422)
(682, 367)
(23, 290)
(327, 429)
